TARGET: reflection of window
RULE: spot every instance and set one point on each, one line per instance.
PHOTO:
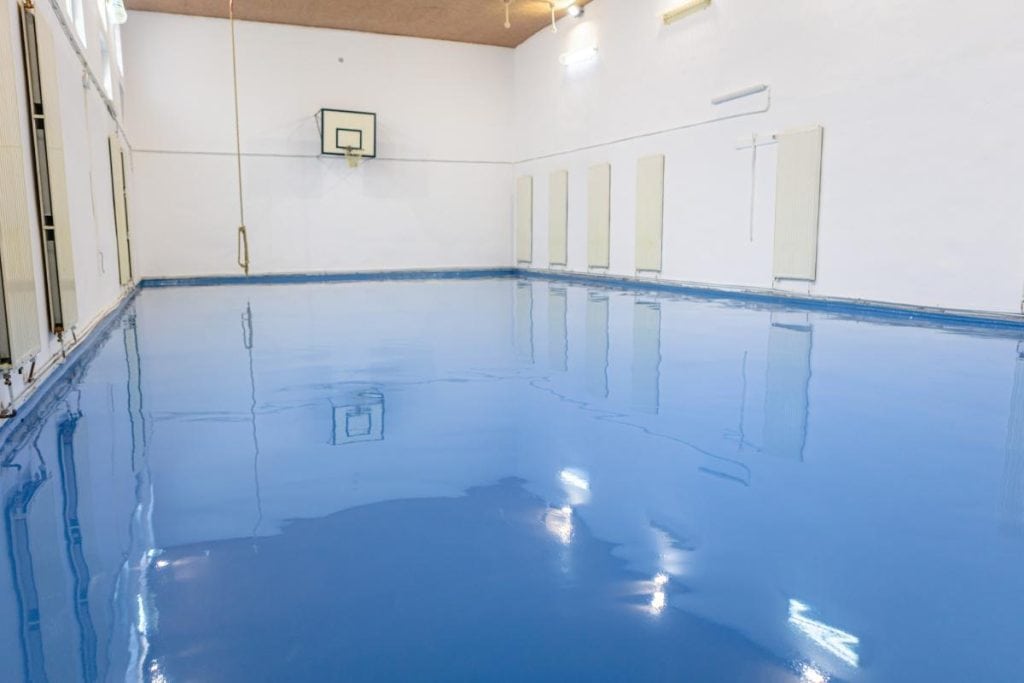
(101, 9)
(77, 17)
(108, 81)
(359, 419)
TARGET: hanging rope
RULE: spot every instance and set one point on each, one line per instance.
(243, 235)
(508, 13)
(554, 26)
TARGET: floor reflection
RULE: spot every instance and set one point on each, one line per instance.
(786, 402)
(1013, 473)
(647, 355)
(21, 486)
(597, 344)
(635, 504)
(388, 577)
(558, 331)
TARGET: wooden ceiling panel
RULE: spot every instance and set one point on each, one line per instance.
(465, 21)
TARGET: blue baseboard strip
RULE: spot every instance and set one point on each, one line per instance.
(297, 278)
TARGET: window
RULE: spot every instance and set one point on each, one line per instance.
(115, 36)
(40, 158)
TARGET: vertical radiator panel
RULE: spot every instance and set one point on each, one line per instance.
(524, 219)
(124, 261)
(558, 218)
(58, 178)
(20, 333)
(797, 203)
(650, 212)
(599, 216)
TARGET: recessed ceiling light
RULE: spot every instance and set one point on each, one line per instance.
(575, 11)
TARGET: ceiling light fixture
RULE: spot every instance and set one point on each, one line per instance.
(684, 10)
(575, 11)
(554, 26)
(508, 13)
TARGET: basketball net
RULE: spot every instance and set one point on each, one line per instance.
(353, 156)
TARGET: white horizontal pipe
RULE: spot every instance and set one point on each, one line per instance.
(745, 92)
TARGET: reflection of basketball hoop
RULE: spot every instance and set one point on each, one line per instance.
(353, 155)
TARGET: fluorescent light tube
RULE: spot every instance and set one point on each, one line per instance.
(684, 10)
(578, 56)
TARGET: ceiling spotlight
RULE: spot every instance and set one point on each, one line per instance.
(575, 11)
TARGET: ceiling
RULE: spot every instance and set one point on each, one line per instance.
(466, 21)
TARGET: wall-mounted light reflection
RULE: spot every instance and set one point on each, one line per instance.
(575, 479)
(559, 522)
(838, 642)
(659, 594)
(671, 554)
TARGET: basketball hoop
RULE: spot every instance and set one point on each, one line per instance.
(353, 156)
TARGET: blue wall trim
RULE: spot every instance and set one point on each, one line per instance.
(293, 278)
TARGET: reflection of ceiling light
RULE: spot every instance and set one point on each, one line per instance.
(578, 56)
(559, 522)
(840, 643)
(659, 597)
(571, 478)
(811, 675)
(658, 601)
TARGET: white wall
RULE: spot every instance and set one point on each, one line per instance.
(921, 160)
(438, 198)
(921, 200)
(86, 125)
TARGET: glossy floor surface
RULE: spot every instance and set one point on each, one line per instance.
(508, 480)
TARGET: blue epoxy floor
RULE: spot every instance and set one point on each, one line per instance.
(502, 480)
